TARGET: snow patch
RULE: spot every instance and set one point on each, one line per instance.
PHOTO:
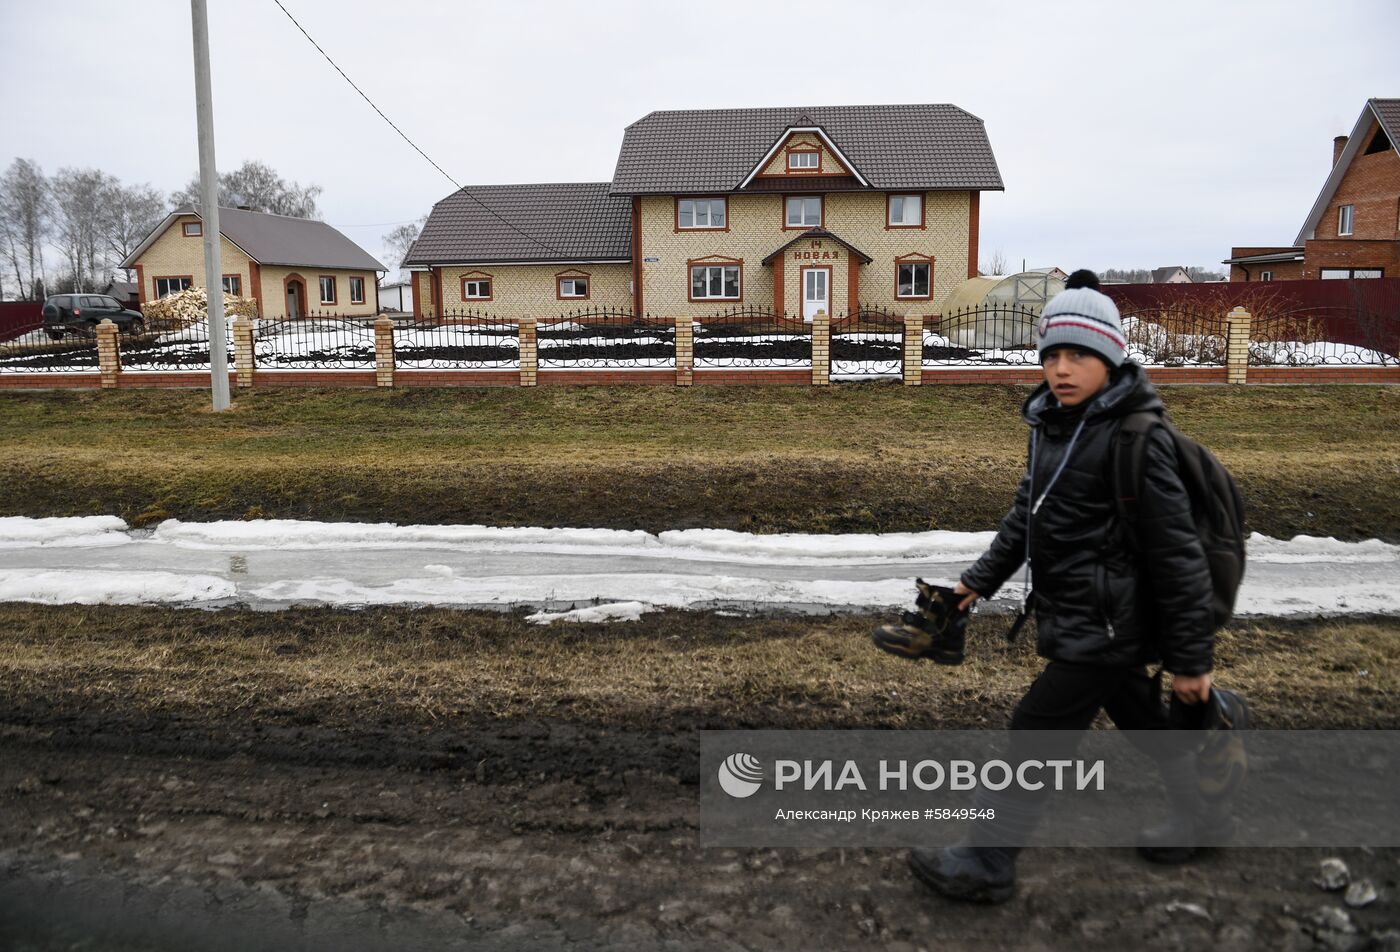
(91, 587)
(617, 611)
(22, 532)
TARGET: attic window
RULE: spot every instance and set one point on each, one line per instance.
(1379, 143)
(194, 229)
(805, 161)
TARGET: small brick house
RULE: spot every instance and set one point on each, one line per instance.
(290, 266)
(1353, 229)
(794, 209)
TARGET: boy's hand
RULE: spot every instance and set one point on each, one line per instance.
(966, 603)
(1192, 689)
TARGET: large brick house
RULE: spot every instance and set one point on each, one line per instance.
(1353, 229)
(290, 266)
(793, 209)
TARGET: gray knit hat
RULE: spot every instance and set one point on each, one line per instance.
(1080, 316)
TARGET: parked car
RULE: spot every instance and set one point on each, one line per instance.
(81, 313)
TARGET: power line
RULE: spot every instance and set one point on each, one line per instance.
(461, 188)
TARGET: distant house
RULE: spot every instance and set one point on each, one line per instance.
(291, 266)
(1172, 275)
(1353, 228)
(794, 210)
(128, 292)
(396, 297)
(1059, 274)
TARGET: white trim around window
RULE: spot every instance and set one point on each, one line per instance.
(193, 229)
(716, 282)
(702, 214)
(1346, 219)
(802, 211)
(233, 284)
(357, 284)
(905, 211)
(912, 279)
(167, 286)
(804, 160)
(1266, 275)
(476, 289)
(327, 284)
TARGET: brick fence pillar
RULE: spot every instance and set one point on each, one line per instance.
(529, 354)
(243, 351)
(1237, 345)
(821, 349)
(383, 351)
(109, 358)
(685, 352)
(913, 349)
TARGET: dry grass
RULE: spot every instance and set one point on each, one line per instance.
(430, 667)
(865, 457)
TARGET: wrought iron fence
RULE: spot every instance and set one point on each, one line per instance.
(867, 343)
(985, 335)
(173, 344)
(315, 342)
(752, 337)
(1320, 336)
(1176, 335)
(612, 338)
(460, 340)
(33, 349)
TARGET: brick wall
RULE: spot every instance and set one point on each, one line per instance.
(1372, 186)
(530, 290)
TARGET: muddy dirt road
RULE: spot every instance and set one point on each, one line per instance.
(239, 780)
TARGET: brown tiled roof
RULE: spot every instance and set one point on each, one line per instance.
(1388, 112)
(819, 233)
(805, 183)
(929, 146)
(498, 223)
(276, 240)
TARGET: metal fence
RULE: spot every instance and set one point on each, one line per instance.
(459, 340)
(1177, 335)
(170, 344)
(867, 343)
(1321, 336)
(985, 335)
(605, 338)
(32, 349)
(315, 342)
(752, 338)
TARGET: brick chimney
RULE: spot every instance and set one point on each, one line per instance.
(1338, 144)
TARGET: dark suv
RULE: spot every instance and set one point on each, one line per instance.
(81, 313)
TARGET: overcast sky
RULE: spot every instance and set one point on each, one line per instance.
(1128, 134)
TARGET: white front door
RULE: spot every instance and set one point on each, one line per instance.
(816, 292)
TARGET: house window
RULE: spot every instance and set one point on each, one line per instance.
(804, 161)
(327, 289)
(1333, 274)
(1345, 214)
(476, 289)
(194, 229)
(168, 286)
(804, 211)
(912, 279)
(357, 290)
(715, 282)
(701, 213)
(1368, 273)
(1337, 274)
(574, 287)
(906, 211)
(233, 284)
(1266, 275)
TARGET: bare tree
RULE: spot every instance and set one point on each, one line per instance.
(25, 223)
(77, 198)
(127, 216)
(995, 265)
(256, 185)
(400, 240)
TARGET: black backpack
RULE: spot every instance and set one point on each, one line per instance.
(1216, 503)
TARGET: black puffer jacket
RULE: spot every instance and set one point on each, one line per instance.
(1093, 605)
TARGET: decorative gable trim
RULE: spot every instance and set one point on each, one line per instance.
(783, 140)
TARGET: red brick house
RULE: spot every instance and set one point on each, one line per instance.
(1353, 229)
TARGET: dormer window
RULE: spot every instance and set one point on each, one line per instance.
(701, 213)
(806, 160)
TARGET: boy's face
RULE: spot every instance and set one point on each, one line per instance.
(1074, 374)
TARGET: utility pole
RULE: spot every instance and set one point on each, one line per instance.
(209, 199)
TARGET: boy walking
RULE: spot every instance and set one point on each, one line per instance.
(1106, 606)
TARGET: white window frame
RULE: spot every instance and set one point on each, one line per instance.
(472, 289)
(228, 279)
(914, 280)
(321, 280)
(804, 165)
(803, 223)
(185, 284)
(353, 279)
(198, 227)
(709, 206)
(568, 287)
(1266, 275)
(710, 273)
(1334, 274)
(1346, 220)
(903, 199)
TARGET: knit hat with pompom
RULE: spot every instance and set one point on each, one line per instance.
(1081, 316)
